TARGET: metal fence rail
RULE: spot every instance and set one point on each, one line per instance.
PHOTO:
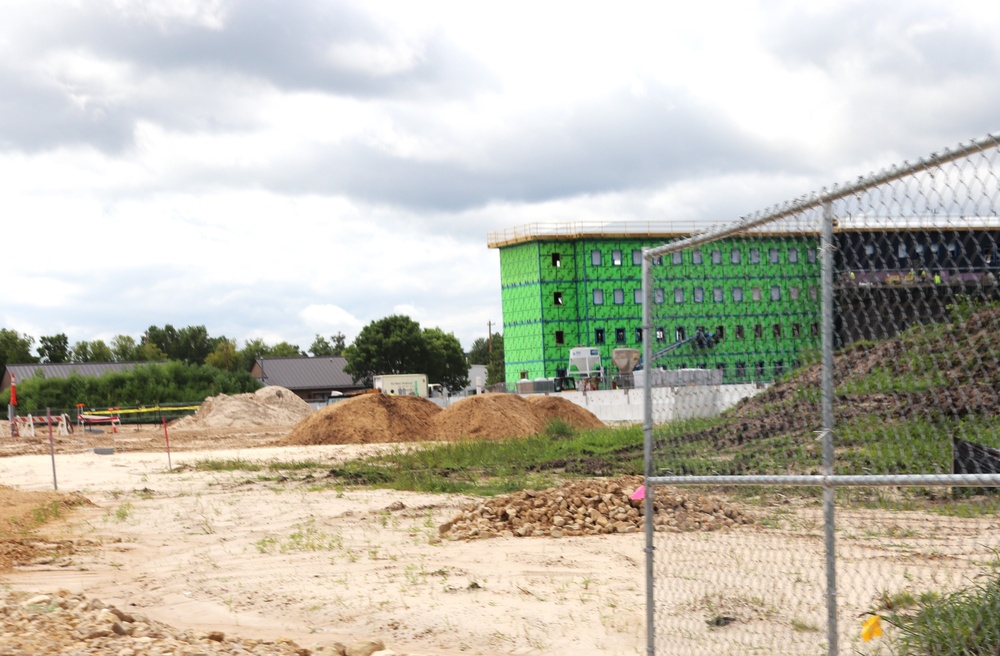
(869, 312)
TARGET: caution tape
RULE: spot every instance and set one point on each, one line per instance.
(144, 409)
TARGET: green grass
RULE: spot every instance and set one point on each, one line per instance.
(963, 622)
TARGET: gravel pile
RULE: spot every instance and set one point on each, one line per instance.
(591, 507)
(65, 623)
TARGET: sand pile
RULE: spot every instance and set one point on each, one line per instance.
(268, 406)
(589, 507)
(367, 419)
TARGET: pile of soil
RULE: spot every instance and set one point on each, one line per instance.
(367, 419)
(488, 416)
(269, 406)
(372, 418)
(555, 407)
(589, 507)
(20, 513)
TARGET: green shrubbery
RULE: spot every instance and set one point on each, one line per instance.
(146, 384)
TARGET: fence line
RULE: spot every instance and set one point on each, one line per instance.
(898, 258)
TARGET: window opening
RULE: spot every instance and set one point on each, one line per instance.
(598, 297)
(696, 256)
(557, 298)
(735, 256)
(758, 330)
(658, 295)
(638, 335)
(637, 257)
(637, 296)
(716, 256)
(740, 334)
(661, 334)
(699, 294)
(718, 294)
(793, 255)
(679, 333)
(754, 256)
(619, 335)
(678, 295)
(738, 294)
(756, 294)
(776, 331)
(775, 293)
(619, 296)
(616, 257)
(556, 260)
(595, 258)
(599, 335)
(774, 256)
(560, 337)
(741, 369)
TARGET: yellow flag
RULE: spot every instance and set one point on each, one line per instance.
(872, 628)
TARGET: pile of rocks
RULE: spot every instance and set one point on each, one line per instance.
(589, 507)
(65, 623)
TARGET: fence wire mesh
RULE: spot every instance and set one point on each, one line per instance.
(838, 352)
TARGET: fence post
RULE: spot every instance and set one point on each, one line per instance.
(829, 499)
(647, 439)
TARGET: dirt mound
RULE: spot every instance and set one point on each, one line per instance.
(268, 406)
(368, 419)
(589, 507)
(20, 513)
(555, 407)
(488, 416)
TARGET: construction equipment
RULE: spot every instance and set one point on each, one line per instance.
(702, 340)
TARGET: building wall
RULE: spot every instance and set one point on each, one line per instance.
(562, 293)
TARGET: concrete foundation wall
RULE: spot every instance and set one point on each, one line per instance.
(669, 403)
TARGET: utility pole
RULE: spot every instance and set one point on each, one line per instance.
(489, 339)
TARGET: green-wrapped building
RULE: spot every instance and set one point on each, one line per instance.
(757, 298)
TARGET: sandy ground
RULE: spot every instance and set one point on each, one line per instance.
(257, 556)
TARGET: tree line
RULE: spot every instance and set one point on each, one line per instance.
(395, 344)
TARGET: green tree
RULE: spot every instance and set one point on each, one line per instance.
(481, 349)
(321, 347)
(15, 348)
(124, 348)
(495, 367)
(226, 356)
(53, 348)
(166, 339)
(286, 350)
(393, 345)
(446, 363)
(95, 351)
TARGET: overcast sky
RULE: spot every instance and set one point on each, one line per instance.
(299, 167)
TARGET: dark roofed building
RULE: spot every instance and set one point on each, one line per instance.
(62, 370)
(312, 379)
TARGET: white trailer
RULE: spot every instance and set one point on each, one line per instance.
(402, 384)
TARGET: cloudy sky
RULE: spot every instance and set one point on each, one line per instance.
(281, 169)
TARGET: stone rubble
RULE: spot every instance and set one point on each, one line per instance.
(589, 507)
(72, 624)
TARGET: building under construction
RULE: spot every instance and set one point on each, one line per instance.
(747, 306)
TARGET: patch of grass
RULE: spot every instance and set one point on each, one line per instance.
(226, 465)
(962, 622)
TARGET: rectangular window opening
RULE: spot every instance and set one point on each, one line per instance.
(758, 330)
(595, 258)
(679, 333)
(599, 335)
(619, 335)
(557, 298)
(598, 297)
(661, 334)
(556, 260)
(638, 335)
(560, 337)
(740, 333)
(616, 257)
(776, 331)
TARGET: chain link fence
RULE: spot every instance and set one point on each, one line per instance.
(847, 505)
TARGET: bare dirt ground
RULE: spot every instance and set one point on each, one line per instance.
(265, 557)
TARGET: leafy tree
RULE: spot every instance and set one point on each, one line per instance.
(226, 356)
(393, 345)
(495, 366)
(54, 348)
(15, 348)
(194, 344)
(446, 363)
(166, 339)
(124, 348)
(321, 347)
(286, 350)
(252, 350)
(480, 351)
(95, 351)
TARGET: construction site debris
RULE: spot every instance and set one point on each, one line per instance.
(589, 507)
